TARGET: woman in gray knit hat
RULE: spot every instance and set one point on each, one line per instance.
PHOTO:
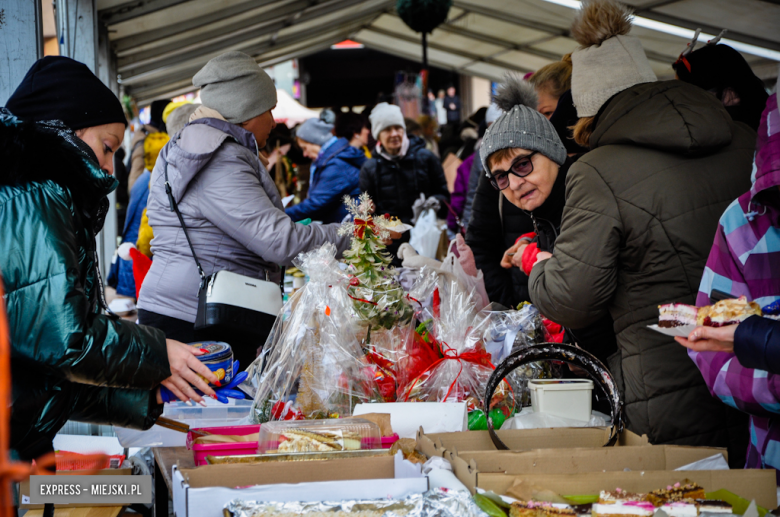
(528, 163)
(641, 210)
(229, 203)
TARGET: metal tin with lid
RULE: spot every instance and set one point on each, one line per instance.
(218, 358)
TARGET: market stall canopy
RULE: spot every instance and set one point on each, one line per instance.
(160, 44)
(289, 111)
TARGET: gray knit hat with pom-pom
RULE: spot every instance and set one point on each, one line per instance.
(521, 126)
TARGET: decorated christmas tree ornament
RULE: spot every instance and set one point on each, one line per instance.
(378, 298)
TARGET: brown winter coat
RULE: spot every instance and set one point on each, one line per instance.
(641, 211)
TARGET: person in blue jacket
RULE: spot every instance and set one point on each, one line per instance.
(334, 173)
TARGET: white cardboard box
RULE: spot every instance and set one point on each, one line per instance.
(209, 501)
(407, 417)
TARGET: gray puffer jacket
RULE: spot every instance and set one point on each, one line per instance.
(233, 214)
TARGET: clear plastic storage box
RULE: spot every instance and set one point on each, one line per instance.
(318, 436)
(216, 414)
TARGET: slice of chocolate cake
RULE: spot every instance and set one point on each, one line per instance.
(677, 492)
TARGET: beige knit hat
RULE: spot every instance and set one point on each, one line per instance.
(609, 60)
(236, 87)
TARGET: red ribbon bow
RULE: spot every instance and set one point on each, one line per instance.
(476, 356)
(361, 225)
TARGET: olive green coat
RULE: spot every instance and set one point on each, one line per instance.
(68, 360)
(641, 212)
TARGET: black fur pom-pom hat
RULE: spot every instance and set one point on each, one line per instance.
(520, 126)
(609, 60)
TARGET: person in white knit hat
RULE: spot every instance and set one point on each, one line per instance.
(641, 210)
(400, 170)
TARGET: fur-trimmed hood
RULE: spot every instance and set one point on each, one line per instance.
(43, 151)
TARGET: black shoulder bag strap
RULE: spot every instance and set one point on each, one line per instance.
(175, 208)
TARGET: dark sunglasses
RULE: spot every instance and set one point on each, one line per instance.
(521, 167)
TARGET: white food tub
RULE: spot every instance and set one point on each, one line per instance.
(567, 398)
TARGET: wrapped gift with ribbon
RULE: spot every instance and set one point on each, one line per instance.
(448, 361)
(313, 365)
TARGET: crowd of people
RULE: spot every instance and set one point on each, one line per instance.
(588, 188)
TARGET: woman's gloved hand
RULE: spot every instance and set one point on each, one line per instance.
(221, 394)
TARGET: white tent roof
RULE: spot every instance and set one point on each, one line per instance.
(289, 111)
(160, 44)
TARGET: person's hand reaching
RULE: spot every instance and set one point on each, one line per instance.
(187, 371)
(393, 236)
(514, 255)
(710, 339)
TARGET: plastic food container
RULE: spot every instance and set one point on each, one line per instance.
(222, 449)
(318, 436)
(567, 398)
(214, 415)
(388, 441)
(219, 359)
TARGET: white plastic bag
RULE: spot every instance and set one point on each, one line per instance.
(451, 264)
(426, 234)
(527, 419)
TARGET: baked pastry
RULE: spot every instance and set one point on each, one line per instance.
(713, 506)
(724, 312)
(522, 509)
(583, 510)
(619, 496)
(619, 503)
(685, 508)
(676, 493)
(535, 509)
(393, 222)
(728, 312)
(677, 315)
(301, 440)
(624, 509)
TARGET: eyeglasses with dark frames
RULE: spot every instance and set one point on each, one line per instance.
(521, 167)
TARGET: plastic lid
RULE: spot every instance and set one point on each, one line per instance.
(318, 436)
(560, 384)
(216, 350)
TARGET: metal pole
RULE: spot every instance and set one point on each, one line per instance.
(425, 50)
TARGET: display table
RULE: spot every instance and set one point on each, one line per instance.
(164, 460)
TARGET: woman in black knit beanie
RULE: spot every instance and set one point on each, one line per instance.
(70, 360)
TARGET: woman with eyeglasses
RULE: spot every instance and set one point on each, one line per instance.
(528, 164)
(642, 207)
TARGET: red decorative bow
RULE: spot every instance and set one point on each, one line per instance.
(361, 225)
(476, 355)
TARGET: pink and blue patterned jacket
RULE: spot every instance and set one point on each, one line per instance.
(745, 260)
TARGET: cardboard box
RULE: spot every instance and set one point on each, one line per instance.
(470, 464)
(206, 490)
(24, 489)
(522, 439)
(750, 484)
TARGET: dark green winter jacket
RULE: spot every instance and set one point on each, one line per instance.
(68, 361)
(641, 211)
